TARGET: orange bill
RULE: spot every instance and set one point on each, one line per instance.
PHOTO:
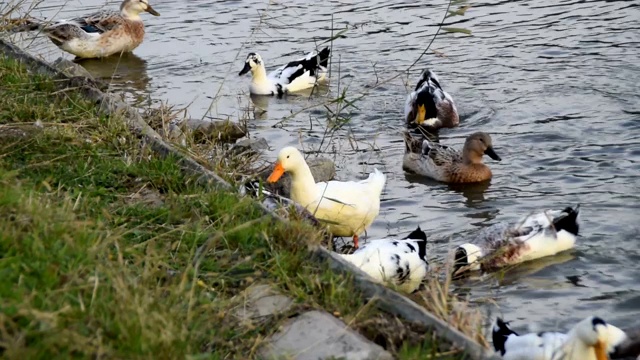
(278, 170)
(422, 112)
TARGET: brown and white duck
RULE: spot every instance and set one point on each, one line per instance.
(100, 34)
(446, 164)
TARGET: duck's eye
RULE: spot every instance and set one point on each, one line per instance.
(288, 156)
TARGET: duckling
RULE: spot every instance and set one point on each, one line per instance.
(297, 75)
(348, 207)
(446, 164)
(402, 262)
(430, 107)
(534, 236)
(100, 34)
(590, 339)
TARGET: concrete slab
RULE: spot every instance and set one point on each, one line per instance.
(317, 335)
(262, 300)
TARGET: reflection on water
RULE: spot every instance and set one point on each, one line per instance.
(125, 72)
(530, 268)
(474, 193)
(555, 83)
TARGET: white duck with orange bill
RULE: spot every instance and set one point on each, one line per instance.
(347, 207)
(590, 339)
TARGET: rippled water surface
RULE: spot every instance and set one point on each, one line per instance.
(556, 84)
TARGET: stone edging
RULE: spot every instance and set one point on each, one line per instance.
(386, 299)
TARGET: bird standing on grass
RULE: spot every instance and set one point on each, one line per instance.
(347, 207)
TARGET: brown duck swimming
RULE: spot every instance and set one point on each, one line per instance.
(447, 164)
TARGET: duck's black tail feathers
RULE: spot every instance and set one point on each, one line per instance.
(568, 221)
(417, 234)
(501, 332)
(421, 238)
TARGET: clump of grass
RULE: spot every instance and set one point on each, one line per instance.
(438, 299)
(208, 142)
(100, 239)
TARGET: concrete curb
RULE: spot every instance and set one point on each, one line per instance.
(387, 299)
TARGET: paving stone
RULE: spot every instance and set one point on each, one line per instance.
(317, 335)
(260, 301)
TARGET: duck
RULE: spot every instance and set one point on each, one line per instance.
(540, 234)
(446, 164)
(297, 75)
(429, 106)
(100, 34)
(347, 207)
(590, 339)
(402, 262)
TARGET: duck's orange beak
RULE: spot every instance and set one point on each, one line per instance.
(278, 170)
(422, 112)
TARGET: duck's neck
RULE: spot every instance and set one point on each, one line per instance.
(303, 186)
(259, 74)
(470, 157)
(129, 14)
(578, 349)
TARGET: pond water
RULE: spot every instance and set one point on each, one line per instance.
(556, 84)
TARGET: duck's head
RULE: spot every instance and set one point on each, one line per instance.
(477, 145)
(289, 160)
(429, 77)
(466, 256)
(252, 62)
(595, 333)
(131, 9)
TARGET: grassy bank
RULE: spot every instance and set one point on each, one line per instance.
(99, 239)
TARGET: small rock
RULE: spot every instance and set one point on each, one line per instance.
(318, 335)
(255, 145)
(173, 133)
(70, 68)
(322, 169)
(147, 197)
(262, 300)
(217, 130)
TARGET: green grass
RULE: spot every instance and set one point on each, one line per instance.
(99, 239)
